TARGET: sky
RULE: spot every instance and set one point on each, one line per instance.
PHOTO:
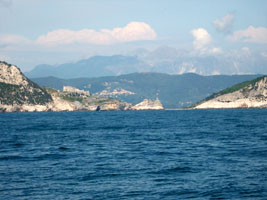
(36, 32)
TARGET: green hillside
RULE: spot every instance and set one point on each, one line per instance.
(240, 86)
(18, 94)
(235, 88)
(174, 91)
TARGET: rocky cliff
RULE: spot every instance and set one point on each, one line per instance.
(17, 91)
(148, 105)
(250, 94)
(82, 101)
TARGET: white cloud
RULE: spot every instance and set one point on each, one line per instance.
(216, 50)
(225, 24)
(202, 38)
(12, 40)
(202, 43)
(133, 31)
(251, 34)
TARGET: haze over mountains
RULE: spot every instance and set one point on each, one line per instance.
(163, 60)
(96, 66)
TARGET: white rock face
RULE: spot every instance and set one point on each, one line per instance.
(60, 104)
(115, 92)
(148, 105)
(115, 105)
(10, 74)
(248, 97)
(57, 105)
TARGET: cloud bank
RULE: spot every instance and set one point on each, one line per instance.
(9, 39)
(251, 34)
(225, 24)
(203, 43)
(133, 31)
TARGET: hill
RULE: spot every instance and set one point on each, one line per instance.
(174, 91)
(16, 89)
(249, 94)
(19, 94)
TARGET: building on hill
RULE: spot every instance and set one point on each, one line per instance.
(75, 91)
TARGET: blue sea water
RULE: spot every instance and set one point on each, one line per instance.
(184, 154)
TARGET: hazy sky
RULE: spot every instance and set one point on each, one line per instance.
(56, 31)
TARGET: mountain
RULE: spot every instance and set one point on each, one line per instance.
(93, 67)
(249, 94)
(166, 59)
(161, 60)
(19, 94)
(16, 89)
(174, 91)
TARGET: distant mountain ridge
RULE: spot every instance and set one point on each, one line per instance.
(174, 91)
(96, 66)
(161, 60)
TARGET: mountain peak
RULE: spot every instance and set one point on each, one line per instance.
(16, 89)
(10, 74)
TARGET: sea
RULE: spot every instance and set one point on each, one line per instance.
(168, 154)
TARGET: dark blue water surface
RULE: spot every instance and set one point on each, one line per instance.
(190, 154)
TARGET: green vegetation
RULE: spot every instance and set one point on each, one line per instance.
(241, 86)
(260, 96)
(49, 90)
(71, 98)
(236, 88)
(5, 63)
(101, 101)
(174, 91)
(18, 94)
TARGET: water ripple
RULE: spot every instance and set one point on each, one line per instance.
(205, 154)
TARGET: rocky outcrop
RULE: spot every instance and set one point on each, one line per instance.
(147, 104)
(90, 103)
(252, 94)
(17, 91)
(83, 102)
(114, 105)
(115, 92)
(10, 74)
(19, 94)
